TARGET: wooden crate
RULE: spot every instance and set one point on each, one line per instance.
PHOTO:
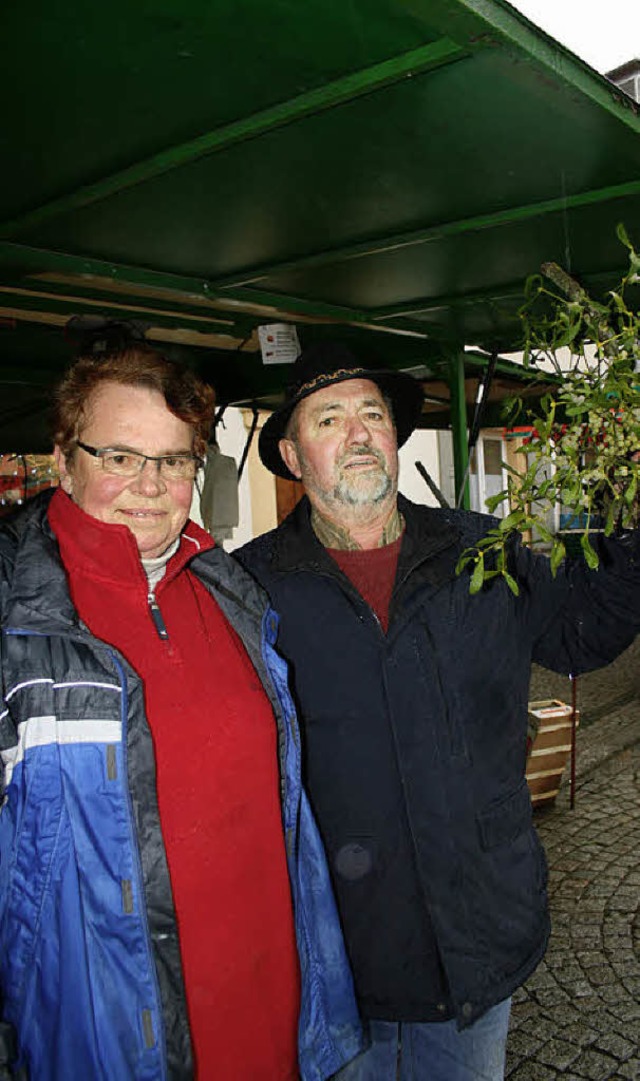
(550, 735)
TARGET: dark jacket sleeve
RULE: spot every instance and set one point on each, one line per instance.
(581, 619)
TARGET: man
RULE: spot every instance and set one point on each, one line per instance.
(413, 699)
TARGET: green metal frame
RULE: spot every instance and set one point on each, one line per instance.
(325, 97)
(388, 171)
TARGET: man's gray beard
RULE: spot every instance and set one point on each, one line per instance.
(351, 491)
(362, 491)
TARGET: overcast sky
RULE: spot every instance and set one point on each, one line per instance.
(605, 33)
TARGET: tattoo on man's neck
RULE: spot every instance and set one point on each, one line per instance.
(335, 536)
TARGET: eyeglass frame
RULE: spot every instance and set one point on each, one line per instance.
(100, 452)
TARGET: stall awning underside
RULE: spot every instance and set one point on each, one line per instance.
(389, 171)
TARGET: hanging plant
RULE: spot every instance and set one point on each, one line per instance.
(585, 435)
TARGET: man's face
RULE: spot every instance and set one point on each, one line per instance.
(344, 448)
(131, 418)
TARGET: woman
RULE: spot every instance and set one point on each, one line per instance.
(145, 910)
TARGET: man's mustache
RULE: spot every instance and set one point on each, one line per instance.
(362, 451)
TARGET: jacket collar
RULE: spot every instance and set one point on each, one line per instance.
(430, 543)
(429, 532)
(296, 545)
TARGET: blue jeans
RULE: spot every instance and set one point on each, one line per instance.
(434, 1052)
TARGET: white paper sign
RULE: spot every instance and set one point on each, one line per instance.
(279, 343)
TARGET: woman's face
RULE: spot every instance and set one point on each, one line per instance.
(131, 418)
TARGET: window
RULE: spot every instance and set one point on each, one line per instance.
(487, 476)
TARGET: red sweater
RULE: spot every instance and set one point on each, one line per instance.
(373, 572)
(218, 793)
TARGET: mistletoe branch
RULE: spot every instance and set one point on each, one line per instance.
(584, 443)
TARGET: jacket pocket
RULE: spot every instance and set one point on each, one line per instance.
(506, 819)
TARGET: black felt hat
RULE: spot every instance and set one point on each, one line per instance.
(322, 364)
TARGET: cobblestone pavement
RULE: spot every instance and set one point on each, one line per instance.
(579, 1015)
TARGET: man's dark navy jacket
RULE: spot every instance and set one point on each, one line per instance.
(414, 746)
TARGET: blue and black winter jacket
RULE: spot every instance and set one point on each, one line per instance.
(90, 971)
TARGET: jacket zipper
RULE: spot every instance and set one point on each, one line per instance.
(156, 616)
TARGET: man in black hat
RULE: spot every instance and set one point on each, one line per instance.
(413, 699)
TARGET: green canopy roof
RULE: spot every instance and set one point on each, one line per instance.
(388, 170)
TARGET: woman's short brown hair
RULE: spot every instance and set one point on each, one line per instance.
(186, 395)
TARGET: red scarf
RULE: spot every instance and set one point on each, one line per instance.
(218, 793)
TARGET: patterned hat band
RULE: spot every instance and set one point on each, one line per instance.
(330, 377)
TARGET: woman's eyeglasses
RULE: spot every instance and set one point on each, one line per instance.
(129, 463)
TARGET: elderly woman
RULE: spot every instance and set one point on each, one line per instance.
(146, 914)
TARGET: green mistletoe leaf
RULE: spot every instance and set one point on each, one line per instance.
(589, 553)
(477, 578)
(558, 553)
